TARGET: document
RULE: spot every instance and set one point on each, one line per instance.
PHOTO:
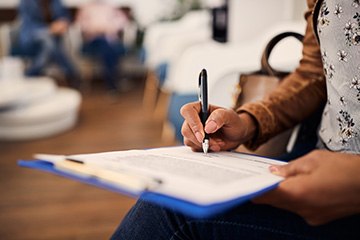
(193, 183)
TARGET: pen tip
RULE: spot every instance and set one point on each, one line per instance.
(205, 146)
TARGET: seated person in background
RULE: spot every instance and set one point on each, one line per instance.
(320, 195)
(101, 25)
(43, 24)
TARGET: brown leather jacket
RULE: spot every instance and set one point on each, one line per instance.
(298, 96)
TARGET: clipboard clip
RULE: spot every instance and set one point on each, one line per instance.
(130, 181)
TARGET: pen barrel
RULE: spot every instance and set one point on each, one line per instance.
(203, 117)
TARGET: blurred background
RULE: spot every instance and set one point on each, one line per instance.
(81, 76)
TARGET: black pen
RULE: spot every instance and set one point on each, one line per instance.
(204, 104)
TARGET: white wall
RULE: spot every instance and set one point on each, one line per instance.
(247, 20)
(299, 9)
(245, 14)
(145, 11)
(8, 3)
(71, 3)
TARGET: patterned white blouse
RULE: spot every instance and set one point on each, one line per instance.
(338, 28)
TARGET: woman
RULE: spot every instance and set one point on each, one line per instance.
(320, 196)
(101, 39)
(43, 24)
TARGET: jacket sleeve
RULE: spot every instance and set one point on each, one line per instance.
(299, 95)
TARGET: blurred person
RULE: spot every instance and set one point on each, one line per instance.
(102, 26)
(43, 25)
(320, 195)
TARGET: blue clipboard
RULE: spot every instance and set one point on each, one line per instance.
(175, 204)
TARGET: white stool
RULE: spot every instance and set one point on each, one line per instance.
(13, 93)
(42, 110)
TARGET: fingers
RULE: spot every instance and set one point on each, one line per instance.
(190, 140)
(194, 132)
(189, 137)
(192, 127)
(290, 170)
(192, 124)
(303, 165)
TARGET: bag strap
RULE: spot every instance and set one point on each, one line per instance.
(265, 65)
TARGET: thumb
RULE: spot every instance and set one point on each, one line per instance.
(217, 119)
(296, 167)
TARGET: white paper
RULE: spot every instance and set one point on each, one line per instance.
(192, 176)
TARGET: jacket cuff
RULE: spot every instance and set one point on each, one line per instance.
(264, 119)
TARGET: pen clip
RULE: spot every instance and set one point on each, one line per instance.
(203, 88)
(200, 88)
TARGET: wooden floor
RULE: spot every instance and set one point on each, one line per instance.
(37, 205)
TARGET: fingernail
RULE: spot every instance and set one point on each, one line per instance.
(199, 136)
(274, 170)
(211, 126)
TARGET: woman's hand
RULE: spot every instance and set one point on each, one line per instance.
(59, 27)
(227, 129)
(321, 186)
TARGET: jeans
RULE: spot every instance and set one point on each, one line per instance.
(50, 49)
(109, 54)
(248, 221)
